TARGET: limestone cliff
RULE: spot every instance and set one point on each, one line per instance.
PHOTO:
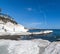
(7, 24)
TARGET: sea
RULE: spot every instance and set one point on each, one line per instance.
(54, 36)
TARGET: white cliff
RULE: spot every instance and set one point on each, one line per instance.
(10, 27)
(7, 24)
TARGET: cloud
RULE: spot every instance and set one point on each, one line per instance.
(29, 9)
(34, 25)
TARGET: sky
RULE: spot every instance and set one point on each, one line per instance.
(42, 14)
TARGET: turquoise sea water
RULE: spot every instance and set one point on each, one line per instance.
(55, 36)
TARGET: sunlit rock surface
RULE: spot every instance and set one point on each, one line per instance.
(36, 46)
(53, 48)
(8, 24)
(23, 46)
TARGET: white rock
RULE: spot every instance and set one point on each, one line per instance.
(36, 46)
(53, 48)
(23, 46)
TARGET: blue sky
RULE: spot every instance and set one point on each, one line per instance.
(33, 13)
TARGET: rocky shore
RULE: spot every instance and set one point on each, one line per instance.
(35, 46)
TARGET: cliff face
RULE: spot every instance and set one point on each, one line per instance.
(9, 25)
(29, 47)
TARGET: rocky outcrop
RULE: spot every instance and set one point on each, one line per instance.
(23, 46)
(36, 46)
